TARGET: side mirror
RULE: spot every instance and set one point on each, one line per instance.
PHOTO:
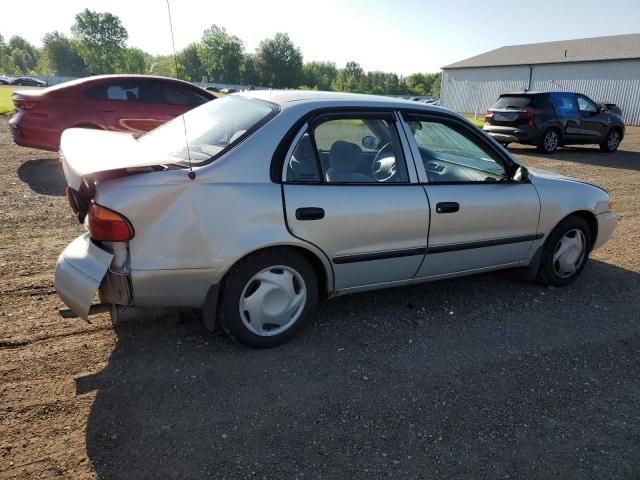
(370, 142)
(521, 174)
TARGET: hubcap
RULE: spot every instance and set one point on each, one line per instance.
(550, 141)
(273, 300)
(614, 139)
(569, 253)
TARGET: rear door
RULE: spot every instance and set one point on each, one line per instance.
(349, 191)
(565, 105)
(480, 219)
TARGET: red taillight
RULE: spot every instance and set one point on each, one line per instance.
(528, 112)
(23, 104)
(108, 226)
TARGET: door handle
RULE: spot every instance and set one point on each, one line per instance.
(310, 213)
(447, 207)
(107, 109)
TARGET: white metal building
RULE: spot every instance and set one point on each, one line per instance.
(607, 69)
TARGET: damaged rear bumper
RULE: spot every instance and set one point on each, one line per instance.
(82, 269)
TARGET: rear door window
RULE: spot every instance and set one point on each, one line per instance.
(565, 104)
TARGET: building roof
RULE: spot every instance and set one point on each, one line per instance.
(617, 47)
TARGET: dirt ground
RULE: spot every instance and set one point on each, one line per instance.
(481, 377)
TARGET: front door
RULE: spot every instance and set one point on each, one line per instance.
(592, 126)
(480, 219)
(348, 191)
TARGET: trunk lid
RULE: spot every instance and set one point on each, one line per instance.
(90, 154)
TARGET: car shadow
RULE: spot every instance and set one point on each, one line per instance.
(44, 176)
(623, 159)
(444, 379)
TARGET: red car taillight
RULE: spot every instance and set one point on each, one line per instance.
(108, 226)
(24, 104)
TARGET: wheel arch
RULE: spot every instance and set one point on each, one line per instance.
(322, 269)
(591, 220)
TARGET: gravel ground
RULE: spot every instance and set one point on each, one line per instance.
(481, 377)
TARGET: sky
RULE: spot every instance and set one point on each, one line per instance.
(402, 36)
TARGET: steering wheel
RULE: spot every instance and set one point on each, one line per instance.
(384, 168)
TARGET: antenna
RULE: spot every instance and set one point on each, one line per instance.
(192, 174)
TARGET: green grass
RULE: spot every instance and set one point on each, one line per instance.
(6, 105)
(479, 122)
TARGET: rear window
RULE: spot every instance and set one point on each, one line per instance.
(210, 129)
(514, 102)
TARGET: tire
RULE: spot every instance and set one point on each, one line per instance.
(288, 283)
(549, 141)
(560, 269)
(611, 142)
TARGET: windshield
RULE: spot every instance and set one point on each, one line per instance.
(513, 101)
(210, 128)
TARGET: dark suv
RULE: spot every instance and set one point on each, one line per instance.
(548, 120)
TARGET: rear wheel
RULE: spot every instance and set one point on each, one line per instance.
(267, 298)
(549, 141)
(611, 141)
(565, 252)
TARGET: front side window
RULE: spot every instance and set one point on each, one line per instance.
(450, 154)
(349, 150)
(586, 105)
(181, 95)
(209, 129)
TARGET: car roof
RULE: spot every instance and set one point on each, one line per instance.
(101, 78)
(286, 98)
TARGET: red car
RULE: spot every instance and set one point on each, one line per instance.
(125, 103)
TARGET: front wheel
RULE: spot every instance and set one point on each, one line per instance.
(565, 252)
(549, 141)
(611, 141)
(267, 298)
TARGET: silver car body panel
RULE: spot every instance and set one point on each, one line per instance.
(190, 232)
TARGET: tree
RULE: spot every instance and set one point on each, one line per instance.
(189, 64)
(164, 65)
(23, 56)
(133, 60)
(249, 70)
(101, 38)
(279, 62)
(62, 55)
(221, 55)
(319, 75)
(436, 82)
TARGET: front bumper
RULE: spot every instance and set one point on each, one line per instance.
(607, 222)
(79, 273)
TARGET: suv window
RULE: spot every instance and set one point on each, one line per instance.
(586, 105)
(349, 150)
(450, 154)
(565, 104)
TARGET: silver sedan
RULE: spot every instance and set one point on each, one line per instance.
(254, 206)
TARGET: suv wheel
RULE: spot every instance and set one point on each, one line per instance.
(549, 141)
(611, 141)
(267, 298)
